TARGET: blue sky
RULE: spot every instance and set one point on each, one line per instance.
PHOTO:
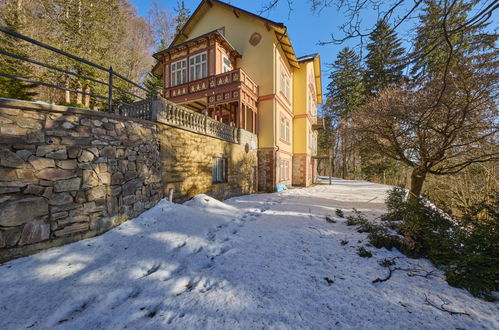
(305, 27)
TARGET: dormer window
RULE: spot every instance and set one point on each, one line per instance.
(179, 72)
(198, 66)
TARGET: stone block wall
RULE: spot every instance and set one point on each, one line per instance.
(302, 170)
(187, 160)
(68, 174)
(266, 170)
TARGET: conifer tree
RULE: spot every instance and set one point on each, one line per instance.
(443, 41)
(11, 88)
(384, 60)
(346, 88)
(182, 15)
(384, 68)
(345, 94)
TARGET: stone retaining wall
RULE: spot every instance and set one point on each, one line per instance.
(68, 174)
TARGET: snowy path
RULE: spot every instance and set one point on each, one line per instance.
(258, 261)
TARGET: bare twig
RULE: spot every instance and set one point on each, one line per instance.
(411, 272)
(442, 307)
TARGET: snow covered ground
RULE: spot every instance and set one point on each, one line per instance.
(259, 261)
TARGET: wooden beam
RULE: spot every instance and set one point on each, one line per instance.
(209, 3)
(253, 113)
(236, 13)
(267, 26)
(238, 115)
(245, 117)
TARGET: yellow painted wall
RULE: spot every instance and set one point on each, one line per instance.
(263, 63)
(238, 32)
(258, 61)
(301, 143)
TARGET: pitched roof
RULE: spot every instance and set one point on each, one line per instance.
(214, 32)
(316, 58)
(279, 28)
(306, 58)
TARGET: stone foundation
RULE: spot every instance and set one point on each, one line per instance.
(68, 174)
(266, 170)
(304, 170)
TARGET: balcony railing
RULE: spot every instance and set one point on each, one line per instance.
(222, 87)
(163, 111)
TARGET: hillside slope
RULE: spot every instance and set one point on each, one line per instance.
(258, 261)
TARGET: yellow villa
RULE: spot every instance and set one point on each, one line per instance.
(240, 69)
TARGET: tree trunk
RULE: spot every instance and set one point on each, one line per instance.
(79, 99)
(87, 97)
(418, 177)
(67, 96)
(343, 157)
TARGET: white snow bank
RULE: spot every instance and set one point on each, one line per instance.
(250, 262)
(211, 205)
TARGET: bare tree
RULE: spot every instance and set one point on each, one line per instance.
(162, 24)
(432, 137)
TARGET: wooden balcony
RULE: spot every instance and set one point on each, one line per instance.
(230, 98)
(232, 86)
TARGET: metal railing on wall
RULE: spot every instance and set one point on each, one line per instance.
(111, 75)
(140, 108)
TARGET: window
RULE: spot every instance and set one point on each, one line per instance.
(311, 139)
(284, 129)
(226, 64)
(309, 99)
(198, 66)
(178, 72)
(313, 105)
(285, 84)
(284, 170)
(219, 170)
(314, 143)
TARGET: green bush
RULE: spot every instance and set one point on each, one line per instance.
(465, 247)
(381, 237)
(395, 204)
(351, 220)
(363, 252)
(425, 232)
(339, 213)
(475, 265)
(357, 219)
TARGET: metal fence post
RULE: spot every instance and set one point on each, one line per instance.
(110, 95)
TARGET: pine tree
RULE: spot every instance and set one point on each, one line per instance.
(346, 88)
(384, 68)
(181, 17)
(345, 95)
(11, 88)
(152, 83)
(384, 61)
(432, 52)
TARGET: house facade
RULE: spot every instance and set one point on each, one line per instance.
(240, 69)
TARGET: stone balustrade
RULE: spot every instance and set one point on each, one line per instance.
(172, 114)
(166, 112)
